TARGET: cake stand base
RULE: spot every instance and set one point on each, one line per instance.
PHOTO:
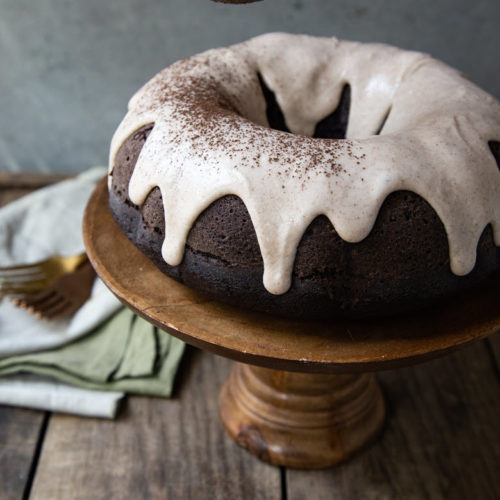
(301, 420)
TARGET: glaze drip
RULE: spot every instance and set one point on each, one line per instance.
(212, 138)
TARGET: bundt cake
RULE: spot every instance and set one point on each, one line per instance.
(312, 177)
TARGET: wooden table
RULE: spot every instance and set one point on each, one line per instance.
(442, 438)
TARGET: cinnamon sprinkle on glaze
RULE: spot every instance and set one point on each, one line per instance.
(211, 138)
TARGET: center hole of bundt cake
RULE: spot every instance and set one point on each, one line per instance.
(333, 126)
(495, 150)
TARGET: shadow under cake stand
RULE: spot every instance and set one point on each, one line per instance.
(302, 393)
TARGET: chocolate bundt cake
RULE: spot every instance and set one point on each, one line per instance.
(311, 177)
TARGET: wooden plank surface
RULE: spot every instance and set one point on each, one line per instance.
(442, 437)
(28, 181)
(13, 186)
(19, 434)
(158, 448)
(20, 430)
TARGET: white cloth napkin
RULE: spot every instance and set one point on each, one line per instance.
(41, 224)
(44, 223)
(47, 394)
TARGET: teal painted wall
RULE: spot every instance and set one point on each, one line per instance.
(68, 67)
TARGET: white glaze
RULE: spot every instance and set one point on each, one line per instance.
(434, 143)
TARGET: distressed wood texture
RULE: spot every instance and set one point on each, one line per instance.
(442, 437)
(19, 429)
(19, 434)
(29, 181)
(158, 448)
(13, 186)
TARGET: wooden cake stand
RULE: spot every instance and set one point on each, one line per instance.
(302, 393)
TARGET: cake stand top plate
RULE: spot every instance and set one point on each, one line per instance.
(261, 339)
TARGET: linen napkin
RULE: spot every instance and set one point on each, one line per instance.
(41, 224)
(83, 365)
(47, 394)
(125, 354)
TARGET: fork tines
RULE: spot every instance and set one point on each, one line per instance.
(62, 297)
(22, 279)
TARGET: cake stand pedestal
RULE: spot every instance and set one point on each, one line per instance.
(302, 393)
(300, 419)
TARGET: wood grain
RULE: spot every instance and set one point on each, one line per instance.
(158, 448)
(19, 434)
(19, 429)
(13, 186)
(302, 420)
(442, 439)
(28, 181)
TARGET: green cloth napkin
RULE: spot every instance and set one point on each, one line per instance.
(126, 353)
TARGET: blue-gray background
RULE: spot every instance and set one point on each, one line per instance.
(68, 67)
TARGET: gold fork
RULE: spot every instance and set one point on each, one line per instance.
(63, 297)
(30, 278)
